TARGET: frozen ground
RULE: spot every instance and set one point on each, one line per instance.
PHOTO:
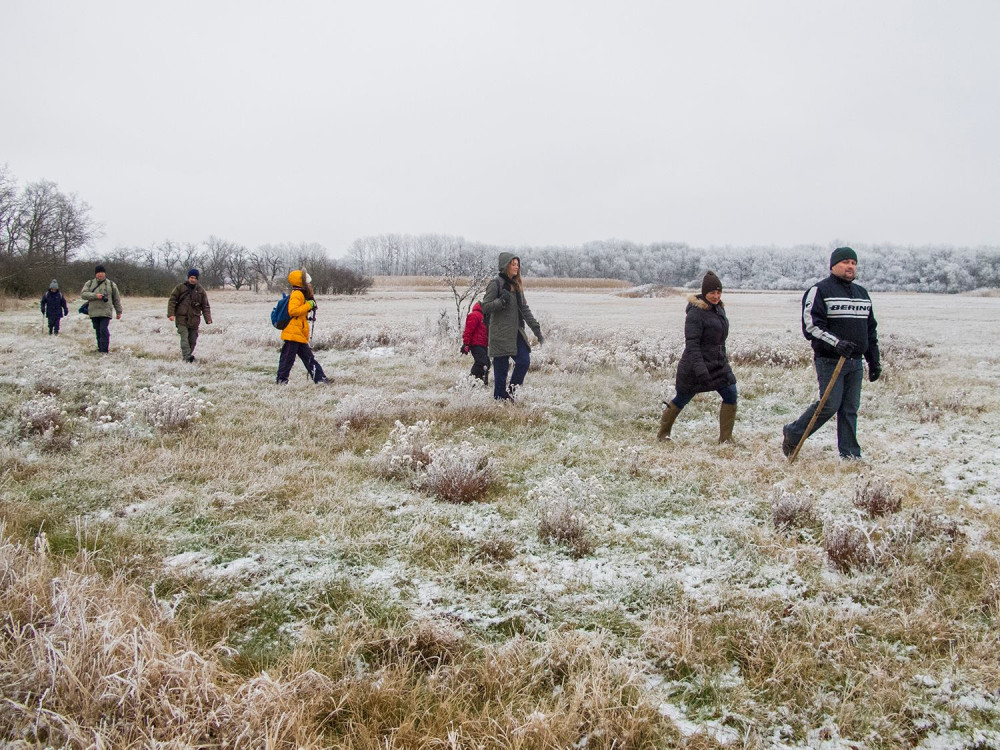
(271, 494)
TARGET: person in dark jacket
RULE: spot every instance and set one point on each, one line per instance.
(475, 339)
(838, 320)
(54, 307)
(508, 313)
(704, 365)
(187, 305)
(103, 298)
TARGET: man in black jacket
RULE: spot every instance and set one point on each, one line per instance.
(837, 318)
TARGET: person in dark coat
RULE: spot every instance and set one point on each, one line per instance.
(704, 365)
(54, 307)
(187, 305)
(508, 311)
(475, 339)
(838, 320)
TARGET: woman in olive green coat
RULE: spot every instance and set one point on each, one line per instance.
(507, 311)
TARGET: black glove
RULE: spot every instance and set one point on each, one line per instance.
(845, 348)
(465, 349)
(540, 337)
(874, 372)
(507, 297)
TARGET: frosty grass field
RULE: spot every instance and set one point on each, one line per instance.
(192, 556)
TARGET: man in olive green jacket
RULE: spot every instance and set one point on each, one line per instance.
(102, 295)
(187, 305)
(504, 305)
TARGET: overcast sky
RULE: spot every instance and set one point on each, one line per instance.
(519, 123)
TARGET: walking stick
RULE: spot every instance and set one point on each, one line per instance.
(819, 408)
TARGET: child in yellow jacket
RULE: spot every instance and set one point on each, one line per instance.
(296, 333)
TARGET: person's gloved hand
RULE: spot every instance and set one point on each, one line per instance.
(312, 304)
(507, 296)
(874, 372)
(540, 337)
(465, 349)
(845, 348)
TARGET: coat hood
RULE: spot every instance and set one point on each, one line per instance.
(295, 278)
(478, 307)
(504, 260)
(697, 301)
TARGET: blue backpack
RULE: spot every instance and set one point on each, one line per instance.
(279, 315)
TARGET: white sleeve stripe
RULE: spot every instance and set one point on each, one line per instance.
(811, 328)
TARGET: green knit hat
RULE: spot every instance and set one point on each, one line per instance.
(843, 253)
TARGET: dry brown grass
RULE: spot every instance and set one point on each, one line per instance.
(92, 661)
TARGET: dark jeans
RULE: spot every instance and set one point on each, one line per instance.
(481, 368)
(289, 351)
(54, 326)
(728, 396)
(102, 333)
(189, 338)
(844, 400)
(522, 360)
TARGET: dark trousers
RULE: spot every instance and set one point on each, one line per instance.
(292, 349)
(728, 394)
(481, 368)
(54, 326)
(844, 400)
(522, 360)
(102, 333)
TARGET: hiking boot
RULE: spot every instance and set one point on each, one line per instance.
(787, 446)
(667, 421)
(727, 418)
(190, 358)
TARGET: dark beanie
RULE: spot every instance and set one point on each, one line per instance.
(99, 269)
(194, 272)
(843, 253)
(710, 283)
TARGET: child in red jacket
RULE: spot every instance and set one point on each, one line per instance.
(474, 340)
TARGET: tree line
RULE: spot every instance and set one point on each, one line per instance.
(884, 267)
(44, 231)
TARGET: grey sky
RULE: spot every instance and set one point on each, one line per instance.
(514, 122)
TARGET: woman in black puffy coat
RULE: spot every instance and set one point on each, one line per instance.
(704, 365)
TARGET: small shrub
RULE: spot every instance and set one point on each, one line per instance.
(427, 644)
(495, 550)
(360, 411)
(849, 548)
(793, 512)
(42, 415)
(168, 408)
(458, 473)
(407, 450)
(561, 524)
(877, 498)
